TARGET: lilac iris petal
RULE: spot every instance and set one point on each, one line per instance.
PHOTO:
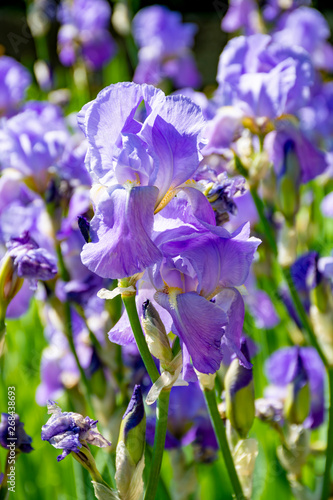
(110, 115)
(173, 136)
(281, 369)
(262, 309)
(231, 301)
(14, 80)
(199, 323)
(120, 233)
(21, 302)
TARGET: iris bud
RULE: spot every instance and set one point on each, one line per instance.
(289, 182)
(156, 337)
(130, 449)
(239, 391)
(297, 403)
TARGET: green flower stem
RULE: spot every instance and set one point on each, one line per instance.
(329, 450)
(130, 306)
(159, 442)
(221, 437)
(2, 335)
(264, 222)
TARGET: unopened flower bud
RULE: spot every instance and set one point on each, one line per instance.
(289, 182)
(10, 284)
(293, 454)
(156, 336)
(297, 403)
(244, 455)
(239, 391)
(287, 245)
(130, 449)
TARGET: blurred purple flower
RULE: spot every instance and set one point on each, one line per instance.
(68, 431)
(273, 8)
(18, 437)
(33, 140)
(281, 368)
(84, 33)
(307, 28)
(14, 81)
(311, 161)
(164, 43)
(264, 78)
(242, 15)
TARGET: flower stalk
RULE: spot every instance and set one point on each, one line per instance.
(221, 437)
(159, 441)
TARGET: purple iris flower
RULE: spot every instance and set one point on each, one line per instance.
(164, 43)
(264, 78)
(281, 369)
(33, 140)
(242, 15)
(289, 139)
(20, 438)
(14, 80)
(196, 279)
(307, 28)
(188, 423)
(84, 33)
(68, 431)
(30, 261)
(140, 165)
